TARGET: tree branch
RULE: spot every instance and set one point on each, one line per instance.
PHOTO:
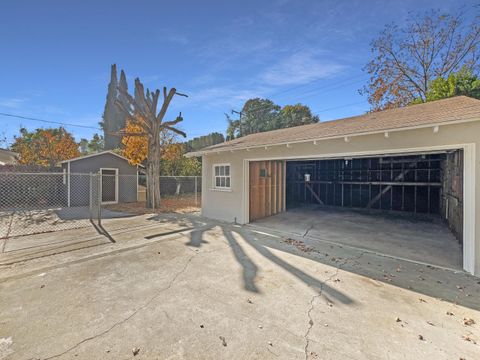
(165, 104)
(176, 131)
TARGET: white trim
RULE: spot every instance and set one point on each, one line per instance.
(246, 191)
(284, 200)
(116, 186)
(222, 188)
(68, 185)
(469, 199)
(350, 135)
(396, 152)
(468, 179)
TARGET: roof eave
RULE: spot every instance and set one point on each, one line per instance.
(92, 155)
(287, 143)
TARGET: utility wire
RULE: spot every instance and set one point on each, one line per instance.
(49, 121)
(311, 82)
(324, 87)
(314, 91)
(62, 123)
(340, 107)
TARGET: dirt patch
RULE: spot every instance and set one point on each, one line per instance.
(182, 204)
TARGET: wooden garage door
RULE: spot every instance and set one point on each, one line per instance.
(267, 188)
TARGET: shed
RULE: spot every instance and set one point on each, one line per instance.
(417, 160)
(118, 181)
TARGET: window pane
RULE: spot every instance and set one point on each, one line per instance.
(217, 181)
(227, 170)
(227, 182)
(222, 182)
(217, 170)
(222, 170)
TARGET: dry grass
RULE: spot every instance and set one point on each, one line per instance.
(182, 204)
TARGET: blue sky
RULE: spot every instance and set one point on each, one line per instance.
(55, 56)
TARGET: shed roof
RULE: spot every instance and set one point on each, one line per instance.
(441, 112)
(94, 155)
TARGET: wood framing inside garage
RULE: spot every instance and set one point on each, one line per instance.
(267, 188)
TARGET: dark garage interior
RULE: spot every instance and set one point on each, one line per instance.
(424, 186)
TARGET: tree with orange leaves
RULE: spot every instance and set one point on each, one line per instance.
(45, 147)
(173, 161)
(135, 147)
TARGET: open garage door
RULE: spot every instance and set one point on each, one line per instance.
(408, 206)
(267, 188)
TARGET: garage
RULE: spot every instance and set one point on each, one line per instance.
(414, 202)
(401, 182)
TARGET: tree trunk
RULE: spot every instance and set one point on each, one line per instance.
(153, 177)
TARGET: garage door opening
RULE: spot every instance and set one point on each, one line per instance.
(408, 206)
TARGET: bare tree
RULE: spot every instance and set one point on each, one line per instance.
(143, 110)
(405, 60)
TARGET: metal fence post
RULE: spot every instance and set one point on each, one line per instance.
(91, 197)
(99, 188)
(196, 192)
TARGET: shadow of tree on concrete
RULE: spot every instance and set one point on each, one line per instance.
(456, 287)
(250, 269)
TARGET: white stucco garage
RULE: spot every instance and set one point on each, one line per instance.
(251, 177)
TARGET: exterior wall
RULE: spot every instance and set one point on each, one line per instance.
(80, 181)
(230, 206)
(452, 193)
(220, 204)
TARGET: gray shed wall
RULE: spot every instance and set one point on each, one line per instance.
(80, 178)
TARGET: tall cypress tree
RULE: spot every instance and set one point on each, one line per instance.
(110, 112)
(113, 119)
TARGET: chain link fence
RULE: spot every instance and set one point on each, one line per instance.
(178, 194)
(32, 203)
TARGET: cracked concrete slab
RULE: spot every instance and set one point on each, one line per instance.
(178, 295)
(426, 240)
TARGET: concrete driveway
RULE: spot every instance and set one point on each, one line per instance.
(171, 287)
(23, 222)
(427, 240)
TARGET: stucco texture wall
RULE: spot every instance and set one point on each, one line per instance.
(230, 206)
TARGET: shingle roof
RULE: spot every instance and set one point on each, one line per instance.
(455, 109)
(8, 157)
(93, 155)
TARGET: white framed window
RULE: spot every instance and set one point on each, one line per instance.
(221, 177)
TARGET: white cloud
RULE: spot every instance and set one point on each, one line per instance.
(12, 103)
(224, 97)
(177, 39)
(300, 68)
(297, 69)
